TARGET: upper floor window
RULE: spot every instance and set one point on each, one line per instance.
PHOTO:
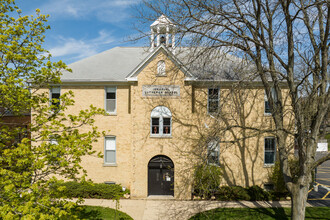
(270, 151)
(213, 100)
(110, 99)
(161, 121)
(55, 93)
(161, 68)
(213, 152)
(267, 104)
(110, 150)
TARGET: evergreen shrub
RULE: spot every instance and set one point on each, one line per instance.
(87, 190)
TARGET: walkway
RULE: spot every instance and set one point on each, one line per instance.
(156, 209)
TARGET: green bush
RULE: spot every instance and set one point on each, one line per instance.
(277, 196)
(277, 178)
(74, 189)
(229, 193)
(256, 193)
(207, 180)
(233, 193)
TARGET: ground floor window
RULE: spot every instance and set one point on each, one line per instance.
(270, 151)
(213, 152)
(110, 150)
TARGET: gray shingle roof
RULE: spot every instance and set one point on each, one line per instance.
(117, 63)
(111, 65)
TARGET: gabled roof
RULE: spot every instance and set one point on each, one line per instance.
(132, 76)
(123, 64)
(162, 20)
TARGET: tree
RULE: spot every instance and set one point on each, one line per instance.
(51, 146)
(286, 42)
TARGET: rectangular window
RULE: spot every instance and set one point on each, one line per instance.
(110, 99)
(110, 150)
(213, 152)
(166, 125)
(154, 125)
(55, 93)
(270, 151)
(213, 100)
(267, 105)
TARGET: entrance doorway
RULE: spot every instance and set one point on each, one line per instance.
(160, 176)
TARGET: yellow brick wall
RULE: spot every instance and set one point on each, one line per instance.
(190, 121)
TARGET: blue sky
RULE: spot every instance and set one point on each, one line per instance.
(82, 28)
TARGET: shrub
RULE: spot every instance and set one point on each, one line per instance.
(258, 194)
(207, 180)
(74, 189)
(229, 193)
(253, 193)
(277, 178)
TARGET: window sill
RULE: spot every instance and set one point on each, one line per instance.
(110, 114)
(213, 164)
(267, 114)
(160, 136)
(213, 115)
(110, 165)
(268, 165)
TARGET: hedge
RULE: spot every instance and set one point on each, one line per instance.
(87, 190)
(253, 193)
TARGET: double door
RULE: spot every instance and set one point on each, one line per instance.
(160, 176)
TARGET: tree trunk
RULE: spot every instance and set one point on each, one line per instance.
(298, 201)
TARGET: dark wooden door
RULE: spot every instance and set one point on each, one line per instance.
(161, 176)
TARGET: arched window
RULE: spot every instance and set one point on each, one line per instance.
(161, 121)
(161, 68)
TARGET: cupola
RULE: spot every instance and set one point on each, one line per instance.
(162, 32)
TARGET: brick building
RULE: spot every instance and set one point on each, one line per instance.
(160, 112)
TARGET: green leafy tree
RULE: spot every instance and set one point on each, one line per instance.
(207, 180)
(32, 164)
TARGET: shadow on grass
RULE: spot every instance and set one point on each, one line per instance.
(100, 213)
(261, 213)
(88, 213)
(243, 213)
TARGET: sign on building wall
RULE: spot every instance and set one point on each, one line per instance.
(160, 90)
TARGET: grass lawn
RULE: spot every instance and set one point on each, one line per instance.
(261, 213)
(96, 212)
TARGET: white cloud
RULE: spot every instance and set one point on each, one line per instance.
(80, 48)
(104, 10)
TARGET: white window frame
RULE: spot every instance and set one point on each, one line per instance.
(51, 92)
(105, 99)
(269, 164)
(161, 112)
(210, 144)
(208, 99)
(273, 94)
(113, 150)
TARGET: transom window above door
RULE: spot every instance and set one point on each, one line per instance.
(161, 122)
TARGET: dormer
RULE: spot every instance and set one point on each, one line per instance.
(162, 32)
